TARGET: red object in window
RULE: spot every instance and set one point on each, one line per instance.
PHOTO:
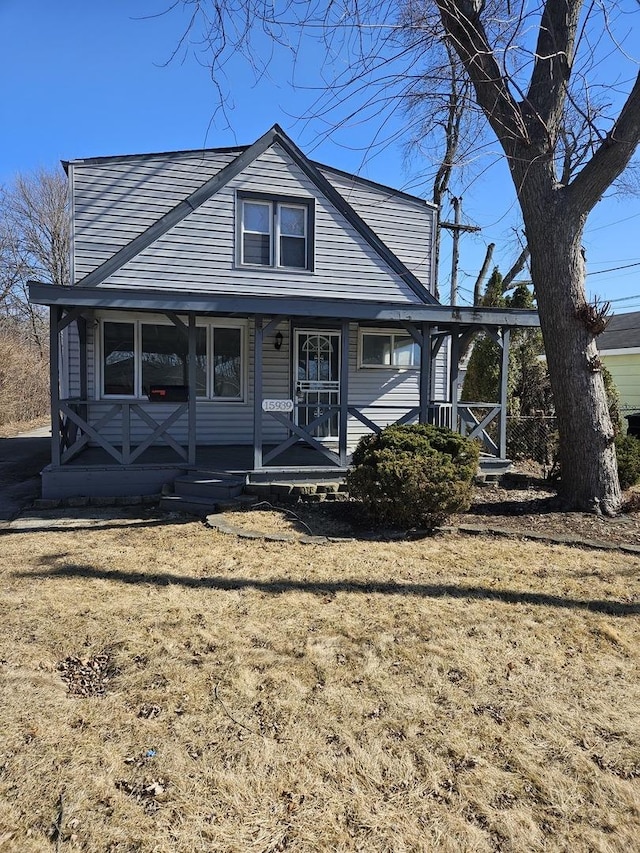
(169, 393)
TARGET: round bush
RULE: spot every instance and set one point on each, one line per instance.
(413, 476)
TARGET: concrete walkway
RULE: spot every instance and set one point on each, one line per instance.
(22, 458)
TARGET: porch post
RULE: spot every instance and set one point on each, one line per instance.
(425, 373)
(455, 378)
(344, 393)
(191, 423)
(81, 324)
(504, 377)
(257, 393)
(54, 380)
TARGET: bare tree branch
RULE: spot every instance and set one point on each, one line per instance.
(484, 269)
(611, 158)
(553, 64)
(516, 269)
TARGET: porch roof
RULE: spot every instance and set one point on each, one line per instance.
(246, 305)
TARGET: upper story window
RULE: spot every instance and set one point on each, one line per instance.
(275, 231)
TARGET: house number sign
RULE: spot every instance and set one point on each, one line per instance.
(277, 405)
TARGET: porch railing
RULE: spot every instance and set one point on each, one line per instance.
(473, 421)
(82, 422)
(77, 428)
(438, 413)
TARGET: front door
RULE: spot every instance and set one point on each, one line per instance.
(317, 379)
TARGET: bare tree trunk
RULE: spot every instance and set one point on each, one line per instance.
(587, 455)
(477, 289)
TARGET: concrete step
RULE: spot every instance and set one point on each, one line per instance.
(206, 486)
(189, 505)
(204, 506)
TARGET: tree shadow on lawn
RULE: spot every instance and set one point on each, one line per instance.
(278, 586)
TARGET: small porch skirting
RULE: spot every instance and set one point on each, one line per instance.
(109, 447)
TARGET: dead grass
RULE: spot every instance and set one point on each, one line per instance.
(24, 380)
(447, 694)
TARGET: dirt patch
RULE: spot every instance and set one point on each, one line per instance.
(535, 510)
(538, 510)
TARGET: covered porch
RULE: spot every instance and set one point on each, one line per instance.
(308, 426)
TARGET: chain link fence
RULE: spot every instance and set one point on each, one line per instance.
(535, 437)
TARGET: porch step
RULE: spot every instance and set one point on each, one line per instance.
(492, 469)
(189, 505)
(208, 486)
(204, 506)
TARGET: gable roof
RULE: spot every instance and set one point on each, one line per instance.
(622, 332)
(247, 156)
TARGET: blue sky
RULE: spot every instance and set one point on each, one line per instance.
(84, 79)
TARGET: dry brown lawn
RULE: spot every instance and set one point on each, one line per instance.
(168, 688)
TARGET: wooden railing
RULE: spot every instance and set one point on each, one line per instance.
(438, 413)
(473, 426)
(82, 422)
(78, 429)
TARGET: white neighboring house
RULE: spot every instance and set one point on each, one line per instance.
(250, 311)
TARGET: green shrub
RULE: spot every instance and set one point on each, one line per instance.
(413, 476)
(628, 453)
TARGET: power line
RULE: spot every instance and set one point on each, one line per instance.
(625, 298)
(609, 224)
(615, 269)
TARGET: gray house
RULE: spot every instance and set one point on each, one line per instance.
(247, 310)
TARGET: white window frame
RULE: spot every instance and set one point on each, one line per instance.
(278, 233)
(383, 333)
(275, 203)
(138, 320)
(243, 231)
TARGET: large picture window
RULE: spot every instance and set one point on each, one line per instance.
(137, 355)
(275, 232)
(388, 349)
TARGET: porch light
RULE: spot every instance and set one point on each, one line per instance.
(278, 340)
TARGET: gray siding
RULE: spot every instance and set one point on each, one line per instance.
(406, 226)
(383, 395)
(70, 362)
(198, 254)
(115, 201)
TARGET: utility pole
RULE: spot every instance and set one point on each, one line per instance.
(456, 227)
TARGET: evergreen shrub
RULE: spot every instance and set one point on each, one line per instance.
(413, 476)
(628, 454)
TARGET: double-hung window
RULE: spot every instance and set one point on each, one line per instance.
(137, 355)
(275, 231)
(388, 349)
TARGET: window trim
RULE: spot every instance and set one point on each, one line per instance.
(138, 320)
(386, 333)
(275, 202)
